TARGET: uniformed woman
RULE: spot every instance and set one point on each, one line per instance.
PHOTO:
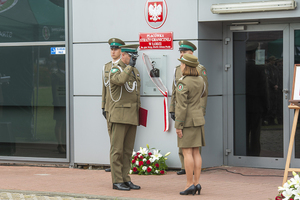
(189, 120)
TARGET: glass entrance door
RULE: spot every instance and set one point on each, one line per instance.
(295, 59)
(257, 129)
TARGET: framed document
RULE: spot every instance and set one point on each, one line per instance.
(296, 83)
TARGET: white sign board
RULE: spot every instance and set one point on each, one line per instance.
(296, 86)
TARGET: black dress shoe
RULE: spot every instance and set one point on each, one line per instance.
(190, 190)
(120, 186)
(108, 170)
(182, 171)
(132, 186)
(198, 189)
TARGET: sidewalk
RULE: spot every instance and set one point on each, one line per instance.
(26, 182)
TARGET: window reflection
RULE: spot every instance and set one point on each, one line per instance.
(31, 20)
(258, 103)
(32, 102)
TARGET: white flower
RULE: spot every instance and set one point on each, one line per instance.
(296, 193)
(156, 171)
(285, 187)
(152, 160)
(156, 155)
(295, 181)
(137, 162)
(144, 168)
(130, 171)
(133, 153)
(143, 150)
(144, 160)
(150, 167)
(287, 194)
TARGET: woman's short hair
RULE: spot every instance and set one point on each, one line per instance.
(190, 71)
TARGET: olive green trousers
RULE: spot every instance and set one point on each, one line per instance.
(122, 139)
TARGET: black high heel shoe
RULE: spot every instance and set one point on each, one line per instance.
(198, 188)
(190, 190)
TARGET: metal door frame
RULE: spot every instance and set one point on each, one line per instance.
(247, 161)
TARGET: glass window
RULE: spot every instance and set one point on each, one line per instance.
(258, 101)
(32, 102)
(32, 20)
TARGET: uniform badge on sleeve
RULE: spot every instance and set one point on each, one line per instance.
(204, 72)
(114, 70)
(180, 87)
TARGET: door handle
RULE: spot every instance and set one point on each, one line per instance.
(285, 91)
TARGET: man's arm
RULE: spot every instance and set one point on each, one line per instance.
(203, 101)
(103, 93)
(119, 78)
(173, 97)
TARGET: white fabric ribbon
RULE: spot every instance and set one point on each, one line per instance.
(161, 87)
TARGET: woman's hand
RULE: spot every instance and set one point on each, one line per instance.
(179, 133)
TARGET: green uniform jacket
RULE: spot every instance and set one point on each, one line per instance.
(177, 76)
(125, 90)
(188, 110)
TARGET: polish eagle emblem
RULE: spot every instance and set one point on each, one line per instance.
(2, 2)
(155, 12)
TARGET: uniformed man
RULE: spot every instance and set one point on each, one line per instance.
(123, 115)
(189, 48)
(115, 53)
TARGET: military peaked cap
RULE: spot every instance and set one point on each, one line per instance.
(130, 48)
(185, 45)
(190, 60)
(115, 42)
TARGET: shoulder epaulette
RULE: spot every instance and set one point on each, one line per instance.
(108, 63)
(182, 78)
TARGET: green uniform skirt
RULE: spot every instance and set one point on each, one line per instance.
(192, 137)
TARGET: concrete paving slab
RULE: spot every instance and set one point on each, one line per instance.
(224, 183)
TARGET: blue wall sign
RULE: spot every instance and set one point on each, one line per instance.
(58, 50)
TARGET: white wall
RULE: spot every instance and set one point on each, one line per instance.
(93, 24)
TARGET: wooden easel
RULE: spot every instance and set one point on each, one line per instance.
(295, 106)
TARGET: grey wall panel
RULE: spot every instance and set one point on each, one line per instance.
(154, 134)
(212, 153)
(210, 55)
(210, 30)
(97, 21)
(206, 15)
(91, 140)
(93, 25)
(88, 62)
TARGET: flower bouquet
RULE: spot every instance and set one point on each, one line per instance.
(145, 162)
(290, 190)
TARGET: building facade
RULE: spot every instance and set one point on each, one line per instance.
(50, 97)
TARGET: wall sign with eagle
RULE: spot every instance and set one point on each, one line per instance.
(156, 13)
